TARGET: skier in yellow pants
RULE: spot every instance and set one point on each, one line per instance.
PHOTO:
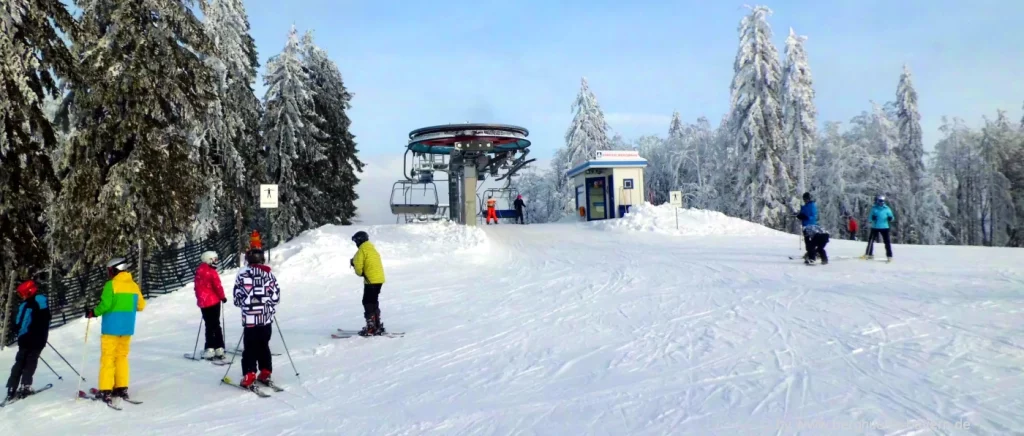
(120, 300)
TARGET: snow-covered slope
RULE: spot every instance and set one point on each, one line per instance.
(666, 219)
(564, 330)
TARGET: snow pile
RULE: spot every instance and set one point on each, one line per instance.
(692, 222)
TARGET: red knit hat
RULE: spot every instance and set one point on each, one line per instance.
(27, 289)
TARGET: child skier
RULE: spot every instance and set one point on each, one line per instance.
(209, 297)
(32, 323)
(368, 266)
(120, 300)
(257, 294)
(816, 238)
(808, 216)
(881, 216)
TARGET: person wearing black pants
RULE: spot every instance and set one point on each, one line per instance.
(256, 354)
(871, 242)
(371, 303)
(24, 368)
(214, 334)
(32, 322)
(881, 217)
(519, 205)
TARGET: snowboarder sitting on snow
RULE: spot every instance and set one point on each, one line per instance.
(257, 294)
(368, 266)
(32, 322)
(881, 216)
(816, 238)
(808, 216)
(209, 297)
(519, 205)
(120, 300)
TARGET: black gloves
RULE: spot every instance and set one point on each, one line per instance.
(89, 313)
(223, 300)
(801, 216)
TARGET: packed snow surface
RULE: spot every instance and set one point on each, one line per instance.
(564, 330)
(670, 220)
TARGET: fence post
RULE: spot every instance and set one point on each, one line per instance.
(7, 310)
(141, 282)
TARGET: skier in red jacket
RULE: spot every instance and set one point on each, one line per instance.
(209, 297)
(852, 227)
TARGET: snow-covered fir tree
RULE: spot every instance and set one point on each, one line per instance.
(660, 175)
(588, 131)
(293, 141)
(31, 52)
(908, 121)
(763, 187)
(228, 139)
(142, 86)
(839, 180)
(800, 111)
(331, 101)
(998, 214)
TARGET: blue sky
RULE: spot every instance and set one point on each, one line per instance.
(416, 63)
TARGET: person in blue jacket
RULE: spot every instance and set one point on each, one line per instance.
(808, 216)
(32, 322)
(880, 218)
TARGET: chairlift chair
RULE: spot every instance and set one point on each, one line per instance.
(402, 202)
(508, 195)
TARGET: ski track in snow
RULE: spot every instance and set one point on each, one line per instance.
(575, 329)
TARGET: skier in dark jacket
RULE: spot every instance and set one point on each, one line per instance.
(817, 238)
(808, 216)
(32, 322)
(519, 205)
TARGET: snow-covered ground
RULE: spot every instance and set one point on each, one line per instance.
(571, 329)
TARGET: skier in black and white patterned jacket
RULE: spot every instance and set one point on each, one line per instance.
(257, 294)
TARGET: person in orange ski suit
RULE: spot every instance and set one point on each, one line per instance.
(491, 212)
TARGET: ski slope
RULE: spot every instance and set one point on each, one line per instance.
(618, 328)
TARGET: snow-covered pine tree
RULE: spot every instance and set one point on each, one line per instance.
(908, 120)
(588, 132)
(331, 101)
(228, 138)
(997, 209)
(660, 174)
(800, 111)
(31, 52)
(292, 139)
(142, 87)
(763, 188)
(958, 165)
(838, 179)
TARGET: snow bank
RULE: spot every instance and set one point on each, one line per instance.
(397, 244)
(692, 222)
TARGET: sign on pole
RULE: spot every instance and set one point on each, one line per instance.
(675, 198)
(268, 196)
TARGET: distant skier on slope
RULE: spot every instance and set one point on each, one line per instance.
(808, 216)
(491, 209)
(817, 238)
(368, 265)
(120, 300)
(519, 205)
(257, 294)
(852, 227)
(881, 216)
(209, 297)
(32, 322)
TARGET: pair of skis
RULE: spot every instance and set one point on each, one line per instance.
(16, 399)
(94, 394)
(342, 334)
(254, 388)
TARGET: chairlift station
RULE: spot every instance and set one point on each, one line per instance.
(467, 153)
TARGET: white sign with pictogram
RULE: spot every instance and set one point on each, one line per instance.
(268, 196)
(675, 198)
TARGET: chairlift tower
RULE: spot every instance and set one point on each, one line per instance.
(467, 153)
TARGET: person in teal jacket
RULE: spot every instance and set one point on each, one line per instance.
(880, 218)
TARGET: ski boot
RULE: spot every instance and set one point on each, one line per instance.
(121, 392)
(106, 397)
(208, 354)
(373, 326)
(25, 391)
(248, 380)
(12, 394)
(264, 377)
(218, 354)
(867, 257)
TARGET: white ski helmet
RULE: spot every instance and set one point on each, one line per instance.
(209, 257)
(116, 266)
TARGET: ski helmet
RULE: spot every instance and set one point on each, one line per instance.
(254, 257)
(879, 200)
(116, 266)
(27, 290)
(360, 237)
(209, 257)
(807, 197)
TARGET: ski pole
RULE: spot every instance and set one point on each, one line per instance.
(85, 348)
(51, 368)
(285, 346)
(65, 360)
(196, 347)
(223, 326)
(233, 356)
